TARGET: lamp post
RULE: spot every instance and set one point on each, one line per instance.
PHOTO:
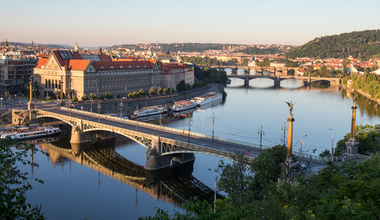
(332, 143)
(99, 107)
(261, 133)
(92, 101)
(188, 120)
(121, 109)
(302, 141)
(213, 123)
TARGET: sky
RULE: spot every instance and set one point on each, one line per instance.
(93, 23)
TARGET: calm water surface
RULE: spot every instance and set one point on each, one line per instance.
(73, 189)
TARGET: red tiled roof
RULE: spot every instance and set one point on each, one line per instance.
(117, 65)
(79, 64)
(41, 62)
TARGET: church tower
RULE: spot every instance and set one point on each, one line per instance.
(76, 48)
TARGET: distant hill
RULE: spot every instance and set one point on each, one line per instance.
(359, 44)
(174, 47)
(60, 46)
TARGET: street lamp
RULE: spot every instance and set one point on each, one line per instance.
(188, 120)
(261, 133)
(92, 101)
(213, 123)
(302, 141)
(121, 109)
(332, 143)
(99, 107)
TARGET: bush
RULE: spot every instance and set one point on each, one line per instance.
(74, 99)
(84, 97)
(152, 91)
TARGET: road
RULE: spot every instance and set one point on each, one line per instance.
(201, 141)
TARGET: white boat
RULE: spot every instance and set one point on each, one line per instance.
(208, 98)
(151, 110)
(33, 131)
(183, 105)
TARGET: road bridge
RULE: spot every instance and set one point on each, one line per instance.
(277, 79)
(163, 144)
(258, 69)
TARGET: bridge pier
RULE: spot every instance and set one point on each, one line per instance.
(77, 137)
(155, 161)
(277, 82)
(246, 82)
(183, 158)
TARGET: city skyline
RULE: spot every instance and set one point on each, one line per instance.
(100, 23)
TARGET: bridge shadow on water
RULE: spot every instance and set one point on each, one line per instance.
(175, 184)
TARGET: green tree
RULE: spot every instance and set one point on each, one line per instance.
(165, 91)
(14, 183)
(74, 99)
(84, 97)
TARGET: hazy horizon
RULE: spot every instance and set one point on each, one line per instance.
(99, 23)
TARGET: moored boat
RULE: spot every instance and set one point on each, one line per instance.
(183, 105)
(33, 131)
(208, 98)
(151, 110)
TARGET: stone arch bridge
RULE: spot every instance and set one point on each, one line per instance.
(277, 79)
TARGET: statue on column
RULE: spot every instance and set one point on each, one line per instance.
(290, 104)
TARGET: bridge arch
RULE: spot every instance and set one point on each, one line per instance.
(72, 124)
(120, 133)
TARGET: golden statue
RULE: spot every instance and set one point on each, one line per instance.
(291, 104)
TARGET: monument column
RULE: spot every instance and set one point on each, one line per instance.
(290, 137)
(353, 122)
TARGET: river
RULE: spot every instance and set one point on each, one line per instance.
(81, 188)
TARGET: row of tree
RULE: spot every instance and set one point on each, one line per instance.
(368, 83)
(203, 61)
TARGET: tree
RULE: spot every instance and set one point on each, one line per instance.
(152, 91)
(235, 178)
(74, 99)
(171, 90)
(165, 91)
(181, 86)
(159, 91)
(92, 96)
(84, 97)
(14, 183)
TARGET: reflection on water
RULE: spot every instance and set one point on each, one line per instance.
(174, 185)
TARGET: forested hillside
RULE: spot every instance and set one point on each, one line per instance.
(360, 44)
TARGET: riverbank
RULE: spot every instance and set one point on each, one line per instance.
(130, 104)
(368, 96)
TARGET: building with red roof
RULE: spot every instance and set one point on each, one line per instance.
(77, 75)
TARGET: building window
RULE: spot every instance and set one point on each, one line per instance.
(111, 66)
(101, 67)
(130, 66)
(121, 66)
(138, 66)
(144, 65)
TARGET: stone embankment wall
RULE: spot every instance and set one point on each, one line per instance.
(129, 105)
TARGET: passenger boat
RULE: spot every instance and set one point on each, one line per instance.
(33, 131)
(183, 105)
(208, 98)
(151, 110)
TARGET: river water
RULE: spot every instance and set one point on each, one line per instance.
(96, 187)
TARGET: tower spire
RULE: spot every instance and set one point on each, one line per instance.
(76, 48)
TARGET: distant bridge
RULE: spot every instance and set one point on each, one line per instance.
(163, 144)
(258, 69)
(277, 79)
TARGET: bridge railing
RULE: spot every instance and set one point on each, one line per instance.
(193, 134)
(159, 127)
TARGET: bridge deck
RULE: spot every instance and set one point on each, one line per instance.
(198, 142)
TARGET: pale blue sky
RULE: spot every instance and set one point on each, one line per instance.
(109, 22)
